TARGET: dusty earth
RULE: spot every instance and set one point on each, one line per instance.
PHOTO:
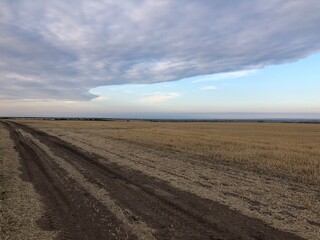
(121, 192)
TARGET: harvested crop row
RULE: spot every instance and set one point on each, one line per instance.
(20, 205)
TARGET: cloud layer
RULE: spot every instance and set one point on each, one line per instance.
(159, 97)
(62, 49)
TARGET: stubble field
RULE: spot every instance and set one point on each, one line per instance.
(265, 174)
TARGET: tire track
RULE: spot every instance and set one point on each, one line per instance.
(70, 209)
(137, 227)
(174, 214)
(56, 207)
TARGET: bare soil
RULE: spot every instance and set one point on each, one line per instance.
(89, 196)
(272, 188)
(20, 205)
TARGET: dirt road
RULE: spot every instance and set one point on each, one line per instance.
(89, 197)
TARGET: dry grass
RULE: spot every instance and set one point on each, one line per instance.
(281, 148)
(188, 156)
(138, 228)
(20, 205)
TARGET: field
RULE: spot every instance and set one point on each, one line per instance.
(161, 180)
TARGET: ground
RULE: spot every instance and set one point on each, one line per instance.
(146, 180)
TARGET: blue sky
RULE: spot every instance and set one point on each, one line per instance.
(285, 90)
(160, 59)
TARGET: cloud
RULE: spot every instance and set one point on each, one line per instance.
(48, 54)
(206, 88)
(159, 97)
(223, 76)
(100, 99)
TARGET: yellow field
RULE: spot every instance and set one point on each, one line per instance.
(284, 149)
(268, 171)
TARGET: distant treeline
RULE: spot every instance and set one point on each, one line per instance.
(287, 120)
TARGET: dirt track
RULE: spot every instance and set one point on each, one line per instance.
(88, 197)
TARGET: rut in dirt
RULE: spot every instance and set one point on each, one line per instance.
(151, 208)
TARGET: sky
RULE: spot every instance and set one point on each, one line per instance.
(160, 59)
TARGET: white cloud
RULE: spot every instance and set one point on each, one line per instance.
(100, 99)
(224, 76)
(159, 97)
(206, 88)
(47, 54)
(69, 102)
